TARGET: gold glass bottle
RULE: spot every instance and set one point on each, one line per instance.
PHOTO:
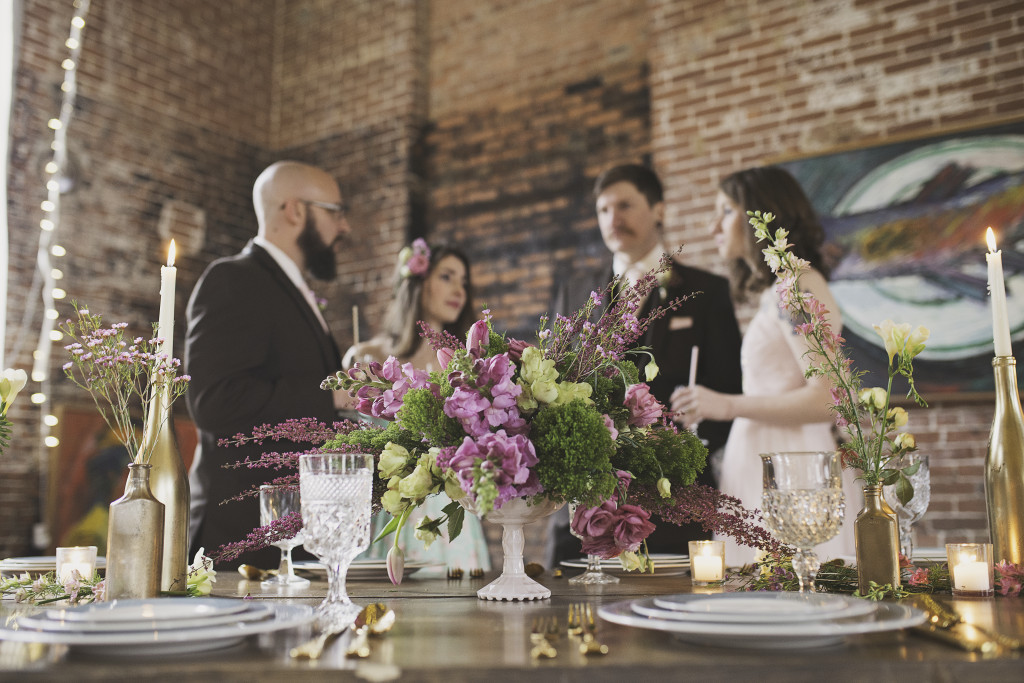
(169, 482)
(1004, 466)
(878, 542)
(134, 539)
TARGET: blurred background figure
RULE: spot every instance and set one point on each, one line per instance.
(779, 409)
(431, 284)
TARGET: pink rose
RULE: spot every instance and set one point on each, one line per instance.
(644, 409)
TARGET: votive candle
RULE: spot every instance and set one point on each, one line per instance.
(970, 568)
(80, 557)
(707, 561)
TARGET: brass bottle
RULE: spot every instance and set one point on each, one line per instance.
(169, 483)
(1004, 466)
(134, 539)
(878, 542)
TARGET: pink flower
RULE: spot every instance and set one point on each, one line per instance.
(515, 348)
(477, 339)
(611, 427)
(610, 529)
(643, 407)
(919, 577)
(396, 565)
(444, 357)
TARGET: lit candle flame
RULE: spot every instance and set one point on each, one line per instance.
(990, 237)
(170, 252)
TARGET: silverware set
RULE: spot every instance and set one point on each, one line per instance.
(374, 619)
(581, 628)
(946, 624)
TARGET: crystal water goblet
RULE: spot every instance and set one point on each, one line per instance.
(803, 505)
(336, 490)
(907, 515)
(594, 575)
(277, 502)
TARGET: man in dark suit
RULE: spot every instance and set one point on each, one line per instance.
(630, 211)
(257, 346)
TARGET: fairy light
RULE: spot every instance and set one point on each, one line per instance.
(49, 226)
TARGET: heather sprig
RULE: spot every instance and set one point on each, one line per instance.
(875, 447)
(120, 373)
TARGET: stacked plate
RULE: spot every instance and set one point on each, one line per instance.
(36, 566)
(363, 570)
(762, 620)
(664, 565)
(155, 627)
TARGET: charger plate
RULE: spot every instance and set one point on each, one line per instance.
(782, 636)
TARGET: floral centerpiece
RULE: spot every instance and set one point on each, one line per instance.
(120, 373)
(565, 418)
(874, 446)
(12, 382)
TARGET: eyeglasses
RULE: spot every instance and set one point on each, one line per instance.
(337, 211)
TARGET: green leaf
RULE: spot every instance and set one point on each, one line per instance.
(888, 476)
(904, 489)
(388, 529)
(456, 515)
(912, 469)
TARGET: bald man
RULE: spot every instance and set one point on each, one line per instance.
(257, 346)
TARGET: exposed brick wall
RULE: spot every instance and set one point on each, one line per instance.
(480, 122)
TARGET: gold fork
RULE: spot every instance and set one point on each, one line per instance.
(539, 636)
(581, 623)
(573, 621)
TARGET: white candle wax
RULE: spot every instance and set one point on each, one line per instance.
(80, 558)
(707, 567)
(694, 355)
(997, 290)
(970, 575)
(355, 325)
(165, 328)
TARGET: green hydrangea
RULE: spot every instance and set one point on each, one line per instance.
(574, 451)
(422, 413)
(678, 455)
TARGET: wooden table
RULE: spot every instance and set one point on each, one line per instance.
(444, 633)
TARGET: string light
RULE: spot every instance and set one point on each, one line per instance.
(57, 169)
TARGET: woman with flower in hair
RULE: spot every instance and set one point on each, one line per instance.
(432, 285)
(780, 409)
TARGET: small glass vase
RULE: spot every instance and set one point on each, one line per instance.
(878, 542)
(135, 539)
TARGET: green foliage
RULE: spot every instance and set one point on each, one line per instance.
(678, 455)
(374, 439)
(574, 449)
(422, 413)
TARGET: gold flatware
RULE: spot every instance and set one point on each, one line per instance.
(573, 622)
(378, 619)
(254, 573)
(581, 624)
(943, 619)
(542, 632)
(373, 615)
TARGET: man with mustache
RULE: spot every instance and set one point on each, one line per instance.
(630, 210)
(257, 346)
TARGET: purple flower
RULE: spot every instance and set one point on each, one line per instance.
(644, 409)
(515, 348)
(477, 339)
(467, 406)
(444, 357)
(507, 460)
(610, 529)
(611, 427)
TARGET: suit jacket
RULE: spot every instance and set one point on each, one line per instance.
(256, 354)
(706, 320)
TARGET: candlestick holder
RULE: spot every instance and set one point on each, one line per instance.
(1004, 466)
(970, 569)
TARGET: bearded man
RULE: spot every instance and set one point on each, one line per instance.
(257, 346)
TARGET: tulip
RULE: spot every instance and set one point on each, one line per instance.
(651, 370)
(396, 565)
(444, 357)
(11, 383)
(478, 338)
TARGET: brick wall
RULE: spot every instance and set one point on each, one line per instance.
(484, 123)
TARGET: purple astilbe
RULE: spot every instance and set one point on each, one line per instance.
(261, 537)
(713, 510)
(595, 346)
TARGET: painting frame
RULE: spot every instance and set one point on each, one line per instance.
(903, 221)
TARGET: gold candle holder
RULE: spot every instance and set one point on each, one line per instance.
(1004, 466)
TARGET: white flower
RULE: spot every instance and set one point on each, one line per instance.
(11, 383)
(201, 575)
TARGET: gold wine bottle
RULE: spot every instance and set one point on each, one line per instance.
(169, 483)
(1004, 466)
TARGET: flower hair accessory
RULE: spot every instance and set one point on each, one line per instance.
(415, 259)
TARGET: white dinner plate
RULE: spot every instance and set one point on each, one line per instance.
(364, 570)
(164, 642)
(38, 564)
(664, 565)
(155, 610)
(755, 608)
(792, 635)
(46, 622)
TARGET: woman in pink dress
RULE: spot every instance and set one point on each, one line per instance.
(779, 409)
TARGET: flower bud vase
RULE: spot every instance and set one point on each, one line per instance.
(1004, 466)
(135, 539)
(878, 542)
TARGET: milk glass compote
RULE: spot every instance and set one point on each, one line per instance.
(277, 502)
(594, 575)
(803, 505)
(336, 489)
(913, 511)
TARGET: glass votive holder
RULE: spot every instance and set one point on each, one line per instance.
(970, 569)
(80, 557)
(707, 562)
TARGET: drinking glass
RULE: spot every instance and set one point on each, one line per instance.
(803, 505)
(336, 489)
(277, 502)
(594, 575)
(913, 511)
